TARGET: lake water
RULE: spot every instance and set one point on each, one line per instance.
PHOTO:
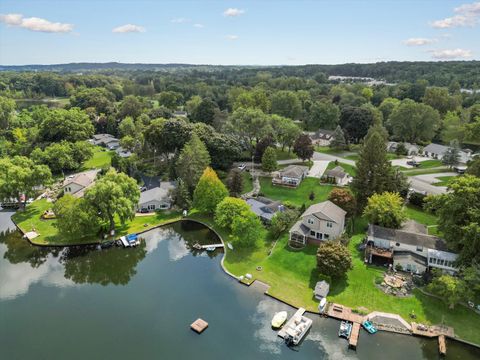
(139, 303)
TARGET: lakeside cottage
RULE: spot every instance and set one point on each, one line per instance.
(321, 137)
(76, 184)
(320, 222)
(410, 247)
(265, 208)
(292, 175)
(157, 198)
(338, 175)
(437, 151)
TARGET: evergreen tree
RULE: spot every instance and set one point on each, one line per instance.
(209, 192)
(181, 195)
(269, 160)
(235, 182)
(452, 155)
(193, 160)
(338, 139)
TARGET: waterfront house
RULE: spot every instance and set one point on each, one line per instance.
(320, 222)
(265, 208)
(437, 151)
(321, 137)
(292, 175)
(412, 149)
(76, 184)
(411, 248)
(338, 176)
(157, 198)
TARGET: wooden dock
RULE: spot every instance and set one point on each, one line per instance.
(199, 326)
(341, 312)
(353, 340)
(442, 345)
(282, 332)
(212, 245)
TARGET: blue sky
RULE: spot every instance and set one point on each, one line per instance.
(237, 32)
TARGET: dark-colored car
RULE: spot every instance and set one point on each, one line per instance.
(413, 163)
(144, 211)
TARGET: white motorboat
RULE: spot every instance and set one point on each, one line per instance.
(279, 319)
(322, 306)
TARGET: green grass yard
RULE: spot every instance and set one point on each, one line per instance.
(444, 180)
(296, 196)
(101, 158)
(420, 171)
(48, 233)
(423, 217)
(284, 154)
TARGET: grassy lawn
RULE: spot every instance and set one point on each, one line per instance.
(48, 233)
(284, 155)
(413, 172)
(423, 217)
(444, 180)
(327, 150)
(349, 169)
(101, 158)
(427, 164)
(296, 196)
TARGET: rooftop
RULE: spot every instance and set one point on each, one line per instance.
(157, 193)
(336, 172)
(294, 171)
(326, 210)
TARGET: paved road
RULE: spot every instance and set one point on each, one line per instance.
(328, 157)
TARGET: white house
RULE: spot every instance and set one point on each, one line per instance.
(338, 175)
(320, 222)
(158, 198)
(321, 137)
(292, 175)
(437, 151)
(76, 184)
(413, 251)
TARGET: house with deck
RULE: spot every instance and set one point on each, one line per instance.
(320, 222)
(265, 208)
(291, 176)
(157, 198)
(412, 249)
(338, 176)
(77, 184)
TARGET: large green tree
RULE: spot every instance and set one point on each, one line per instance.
(228, 209)
(286, 103)
(193, 160)
(323, 115)
(74, 216)
(7, 112)
(246, 228)
(70, 125)
(333, 259)
(355, 122)
(385, 209)
(269, 160)
(209, 192)
(115, 195)
(303, 147)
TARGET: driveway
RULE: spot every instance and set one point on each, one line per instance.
(403, 162)
(423, 183)
(318, 168)
(328, 157)
(433, 178)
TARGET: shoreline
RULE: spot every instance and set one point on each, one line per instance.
(225, 270)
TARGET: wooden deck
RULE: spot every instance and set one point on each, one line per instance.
(212, 245)
(199, 326)
(432, 331)
(341, 312)
(353, 340)
(299, 312)
(442, 345)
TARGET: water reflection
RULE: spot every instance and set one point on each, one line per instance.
(265, 310)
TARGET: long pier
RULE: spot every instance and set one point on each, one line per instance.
(283, 332)
(353, 340)
(213, 245)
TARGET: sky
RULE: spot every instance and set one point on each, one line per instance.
(261, 32)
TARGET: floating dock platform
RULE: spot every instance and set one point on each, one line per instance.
(282, 332)
(199, 326)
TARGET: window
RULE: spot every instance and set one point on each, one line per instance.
(312, 233)
(440, 262)
(151, 207)
(419, 248)
(430, 260)
(434, 260)
(329, 224)
(326, 236)
(310, 221)
(319, 236)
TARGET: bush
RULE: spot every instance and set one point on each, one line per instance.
(399, 267)
(417, 199)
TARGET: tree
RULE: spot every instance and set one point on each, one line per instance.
(367, 93)
(70, 125)
(7, 111)
(261, 146)
(413, 122)
(204, 112)
(441, 100)
(58, 157)
(114, 195)
(374, 171)
(245, 229)
(193, 160)
(386, 210)
(181, 195)
(285, 130)
(323, 115)
(167, 136)
(401, 150)
(209, 192)
(228, 209)
(303, 147)
(286, 103)
(127, 127)
(235, 182)
(99, 99)
(75, 218)
(131, 106)
(474, 167)
(338, 141)
(20, 176)
(387, 106)
(343, 198)
(452, 155)
(249, 124)
(255, 99)
(333, 259)
(453, 127)
(282, 221)
(269, 160)
(459, 217)
(355, 122)
(451, 289)
(170, 99)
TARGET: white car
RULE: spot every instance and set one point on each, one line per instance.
(242, 167)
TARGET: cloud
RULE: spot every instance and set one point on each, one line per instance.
(232, 37)
(231, 12)
(180, 20)
(447, 54)
(467, 15)
(128, 28)
(35, 24)
(418, 41)
(200, 26)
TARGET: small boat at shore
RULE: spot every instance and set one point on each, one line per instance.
(322, 306)
(210, 248)
(345, 329)
(297, 329)
(367, 325)
(279, 319)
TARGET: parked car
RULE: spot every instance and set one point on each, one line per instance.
(143, 188)
(413, 163)
(144, 210)
(242, 167)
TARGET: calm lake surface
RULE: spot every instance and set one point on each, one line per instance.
(139, 303)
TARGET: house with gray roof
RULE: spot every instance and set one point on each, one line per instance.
(292, 175)
(320, 222)
(437, 151)
(77, 184)
(410, 247)
(321, 137)
(338, 175)
(412, 149)
(322, 288)
(265, 208)
(157, 198)
(106, 140)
